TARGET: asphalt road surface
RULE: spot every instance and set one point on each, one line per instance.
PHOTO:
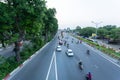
(52, 65)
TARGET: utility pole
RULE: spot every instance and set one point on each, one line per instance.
(96, 24)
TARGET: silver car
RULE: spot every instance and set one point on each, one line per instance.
(59, 49)
(69, 52)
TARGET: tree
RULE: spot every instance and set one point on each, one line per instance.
(77, 30)
(27, 18)
(109, 27)
(6, 20)
(23, 18)
(87, 31)
(50, 23)
(115, 34)
(102, 33)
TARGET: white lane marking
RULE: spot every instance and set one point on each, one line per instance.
(96, 66)
(50, 67)
(102, 55)
(15, 71)
(109, 60)
(56, 74)
(96, 50)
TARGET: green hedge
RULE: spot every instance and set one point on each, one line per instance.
(10, 64)
(108, 51)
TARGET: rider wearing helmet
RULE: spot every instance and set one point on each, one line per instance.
(89, 76)
(88, 51)
(80, 63)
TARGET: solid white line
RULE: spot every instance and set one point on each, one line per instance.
(109, 60)
(15, 71)
(56, 74)
(96, 66)
(102, 55)
(96, 50)
(50, 67)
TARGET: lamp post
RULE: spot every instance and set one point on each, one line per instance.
(96, 24)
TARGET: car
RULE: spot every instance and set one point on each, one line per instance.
(69, 53)
(92, 40)
(59, 49)
(60, 43)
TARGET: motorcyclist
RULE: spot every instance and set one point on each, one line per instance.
(80, 41)
(88, 51)
(89, 76)
(81, 64)
(67, 45)
(72, 40)
(77, 42)
(65, 42)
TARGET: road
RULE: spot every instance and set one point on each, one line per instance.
(7, 52)
(51, 65)
(103, 42)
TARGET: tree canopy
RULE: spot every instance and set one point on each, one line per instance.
(22, 19)
(111, 32)
(87, 31)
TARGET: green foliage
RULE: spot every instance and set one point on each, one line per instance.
(111, 32)
(10, 64)
(115, 34)
(87, 31)
(2, 59)
(6, 67)
(25, 19)
(102, 33)
(102, 48)
(109, 27)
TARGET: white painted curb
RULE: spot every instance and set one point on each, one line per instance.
(10, 75)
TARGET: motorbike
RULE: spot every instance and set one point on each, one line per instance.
(67, 45)
(80, 65)
(77, 42)
(88, 76)
(88, 52)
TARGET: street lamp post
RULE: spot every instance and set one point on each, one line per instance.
(96, 24)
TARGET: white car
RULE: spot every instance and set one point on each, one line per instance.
(69, 52)
(58, 49)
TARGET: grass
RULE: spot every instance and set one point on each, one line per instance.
(8, 65)
(108, 51)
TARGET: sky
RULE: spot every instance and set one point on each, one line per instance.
(72, 13)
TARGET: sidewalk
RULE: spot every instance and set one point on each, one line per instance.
(103, 42)
(7, 52)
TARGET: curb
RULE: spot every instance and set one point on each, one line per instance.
(10, 75)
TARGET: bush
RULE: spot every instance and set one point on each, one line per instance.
(2, 59)
(8, 65)
(108, 51)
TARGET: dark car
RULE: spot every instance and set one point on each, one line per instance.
(60, 43)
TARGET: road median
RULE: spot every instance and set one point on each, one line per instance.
(109, 51)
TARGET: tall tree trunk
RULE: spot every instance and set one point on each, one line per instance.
(17, 46)
(17, 51)
(46, 35)
(3, 44)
